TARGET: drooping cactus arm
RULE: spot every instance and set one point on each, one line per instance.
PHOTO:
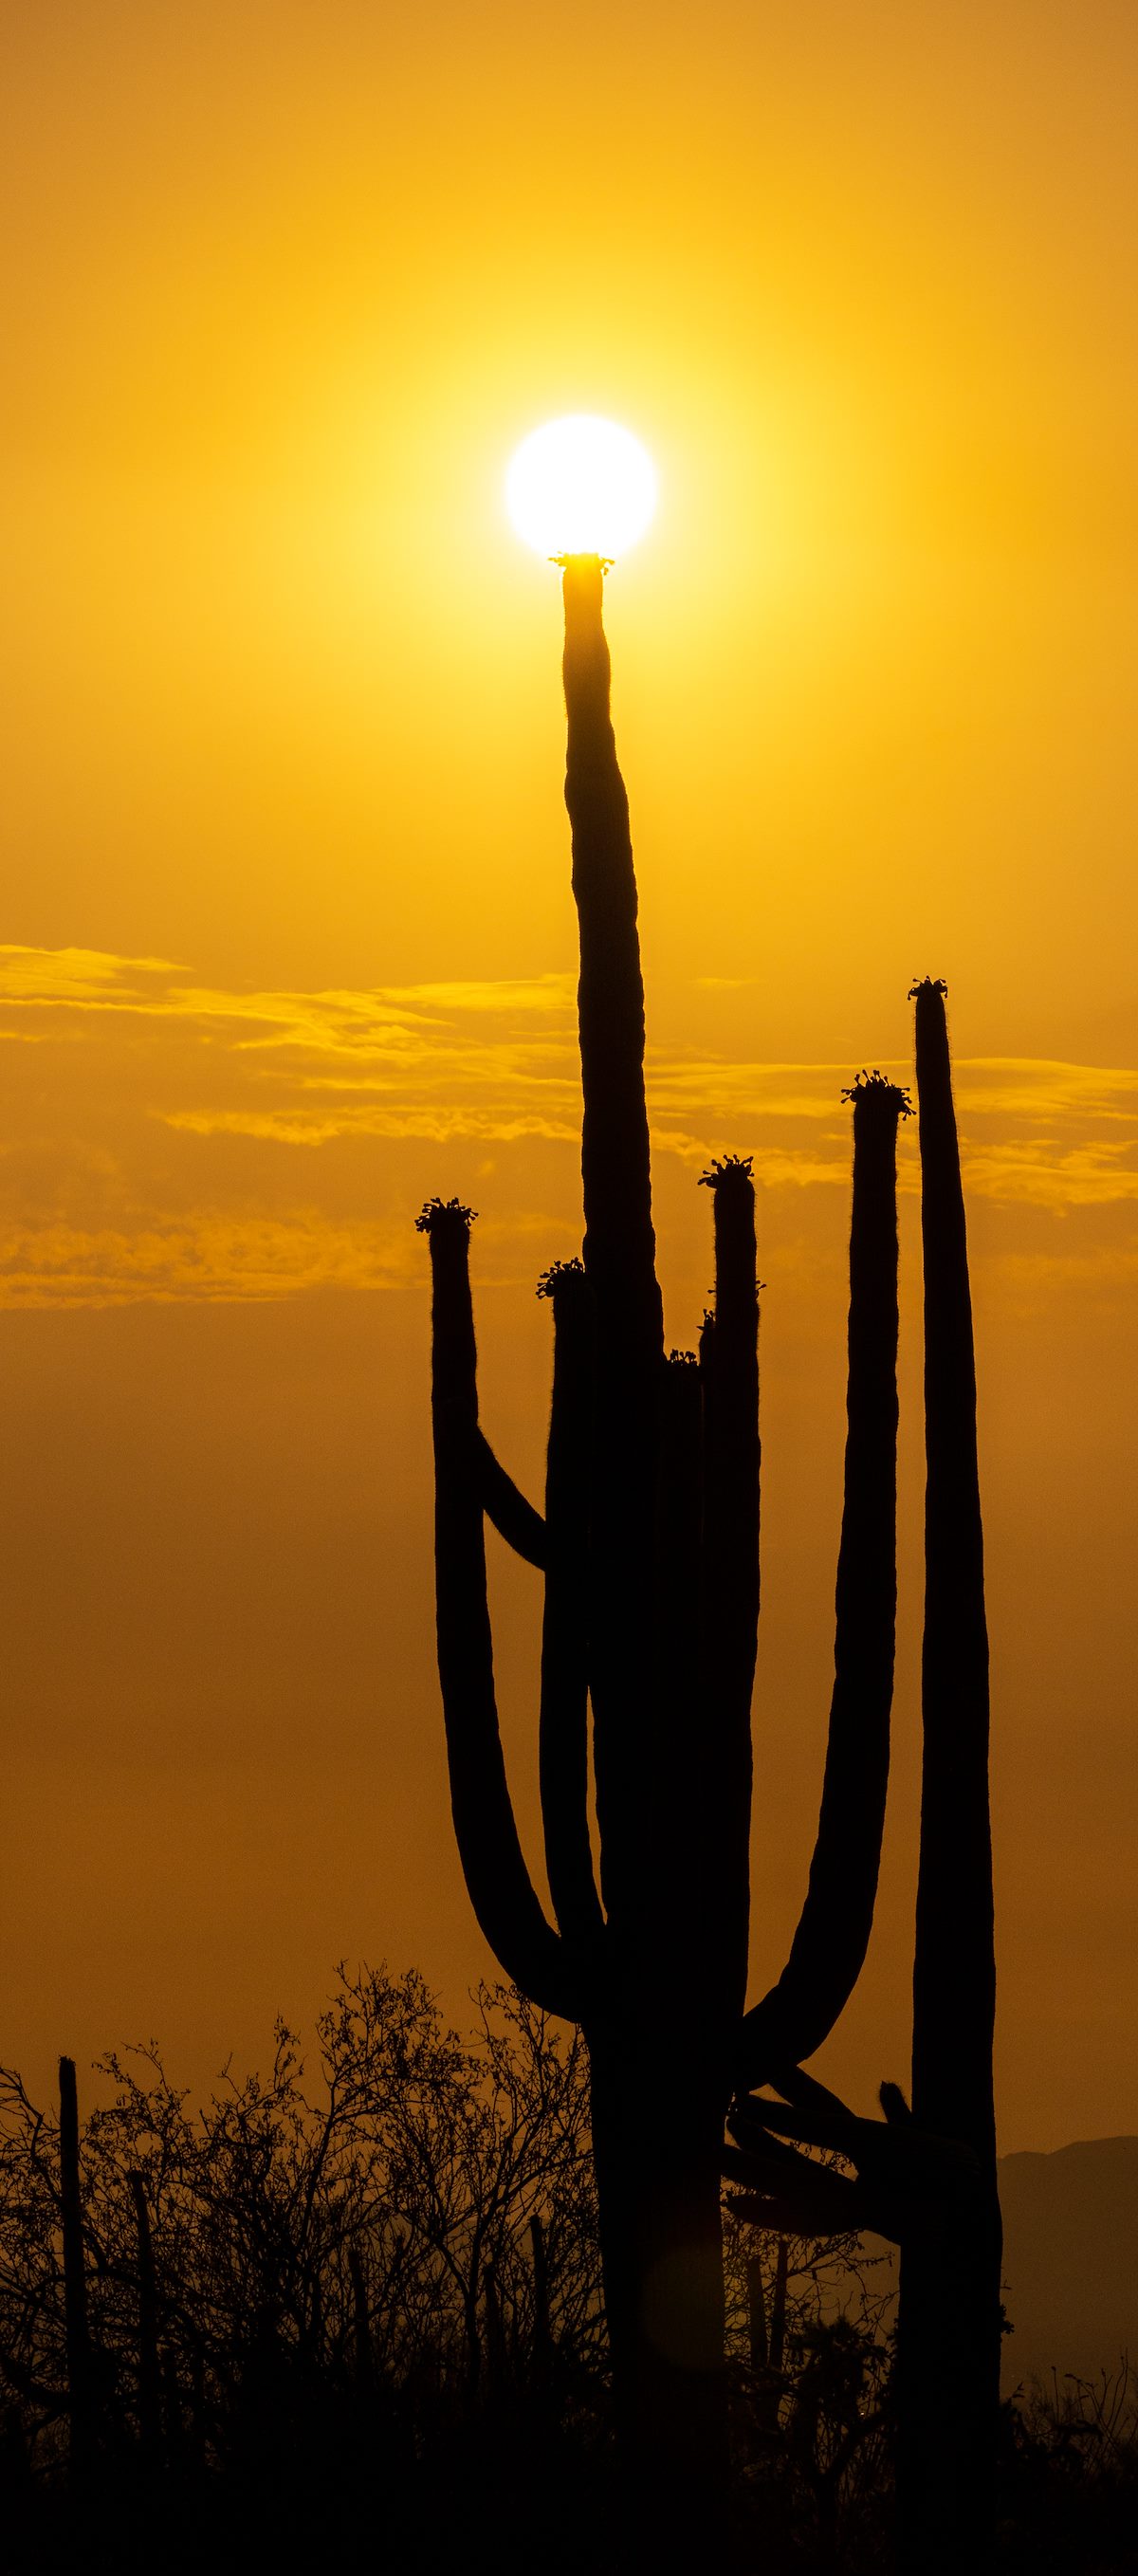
(954, 1977)
(498, 1882)
(902, 2175)
(563, 1731)
(799, 2196)
(513, 1517)
(729, 1361)
(620, 1246)
(901, 2157)
(833, 1930)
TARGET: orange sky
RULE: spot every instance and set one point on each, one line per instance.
(290, 939)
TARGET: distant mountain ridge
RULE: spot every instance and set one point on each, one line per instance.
(1070, 2259)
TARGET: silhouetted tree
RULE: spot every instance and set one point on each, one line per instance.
(337, 2236)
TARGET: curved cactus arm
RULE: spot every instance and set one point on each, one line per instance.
(834, 1927)
(563, 1731)
(954, 1975)
(729, 1368)
(812, 2199)
(620, 1245)
(807, 2094)
(752, 2119)
(505, 1505)
(903, 2159)
(498, 1882)
(894, 2104)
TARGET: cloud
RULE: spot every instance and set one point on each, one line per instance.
(1091, 1175)
(210, 1258)
(131, 1051)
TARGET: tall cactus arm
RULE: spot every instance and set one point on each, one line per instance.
(729, 1361)
(563, 1729)
(948, 2317)
(498, 1882)
(620, 1246)
(834, 1927)
(954, 1977)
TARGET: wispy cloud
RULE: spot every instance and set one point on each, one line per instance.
(135, 1048)
(211, 1258)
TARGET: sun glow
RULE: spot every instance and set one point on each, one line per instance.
(581, 486)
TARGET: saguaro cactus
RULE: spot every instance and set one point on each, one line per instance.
(80, 2370)
(149, 2361)
(649, 1545)
(949, 2317)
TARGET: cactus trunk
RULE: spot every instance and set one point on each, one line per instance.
(149, 2366)
(949, 2319)
(80, 2373)
(660, 2211)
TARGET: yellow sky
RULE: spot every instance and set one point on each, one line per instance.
(289, 939)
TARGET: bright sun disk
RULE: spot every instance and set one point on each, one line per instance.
(581, 486)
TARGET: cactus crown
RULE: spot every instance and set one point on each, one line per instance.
(927, 984)
(728, 1171)
(561, 1278)
(445, 1215)
(877, 1086)
(682, 1359)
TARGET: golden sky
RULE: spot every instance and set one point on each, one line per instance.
(290, 944)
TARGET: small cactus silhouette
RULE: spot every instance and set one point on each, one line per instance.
(80, 2357)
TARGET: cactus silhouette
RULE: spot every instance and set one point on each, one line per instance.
(927, 2176)
(80, 2360)
(649, 1546)
(949, 2320)
(149, 2362)
(830, 1943)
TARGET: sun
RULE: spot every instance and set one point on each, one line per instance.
(581, 486)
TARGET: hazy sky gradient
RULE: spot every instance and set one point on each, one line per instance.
(290, 941)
